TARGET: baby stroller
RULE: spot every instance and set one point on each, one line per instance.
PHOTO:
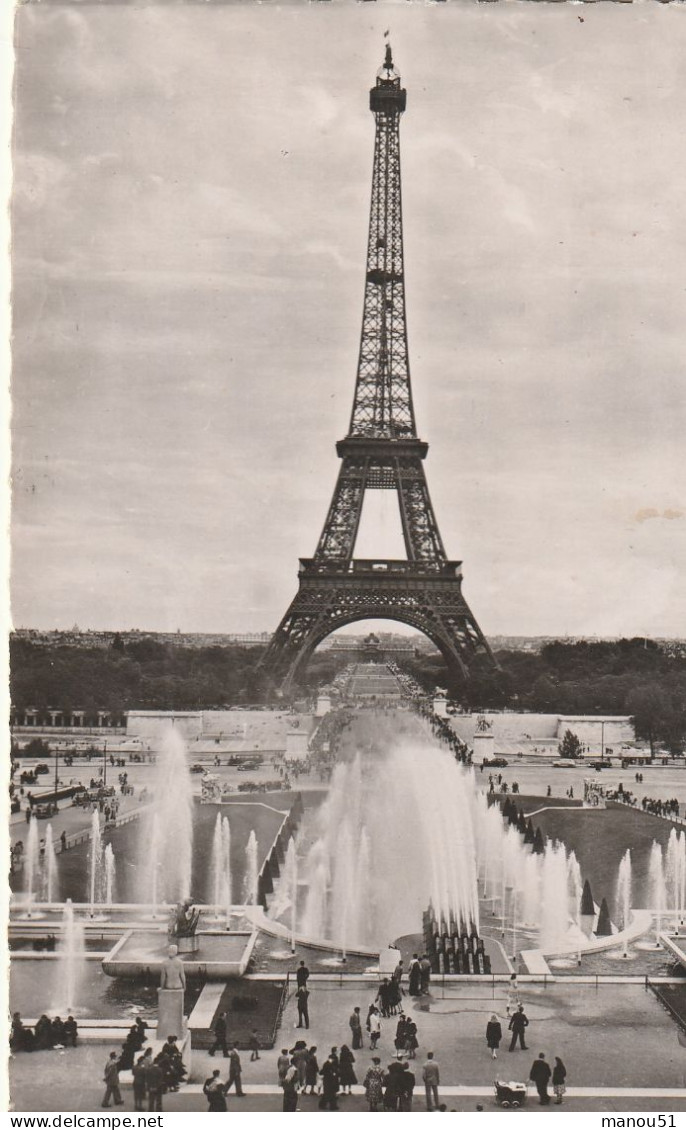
(510, 1094)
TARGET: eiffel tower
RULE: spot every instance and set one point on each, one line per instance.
(380, 452)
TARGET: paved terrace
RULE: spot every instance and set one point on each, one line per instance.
(620, 1048)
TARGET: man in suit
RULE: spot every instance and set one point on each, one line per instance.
(154, 1083)
(519, 1022)
(540, 1075)
(302, 975)
(303, 1011)
(234, 1073)
(112, 1082)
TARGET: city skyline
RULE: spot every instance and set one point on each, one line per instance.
(544, 222)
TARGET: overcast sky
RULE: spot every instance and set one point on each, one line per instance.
(190, 219)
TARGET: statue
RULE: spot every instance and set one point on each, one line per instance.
(173, 972)
(184, 920)
(483, 725)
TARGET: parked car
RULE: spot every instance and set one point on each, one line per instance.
(565, 763)
(196, 767)
(248, 768)
(42, 768)
(495, 763)
(44, 811)
(600, 764)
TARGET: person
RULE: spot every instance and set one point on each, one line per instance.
(282, 1065)
(355, 1023)
(559, 1076)
(303, 1012)
(213, 1090)
(414, 985)
(289, 1084)
(513, 998)
(43, 1033)
(424, 974)
(384, 997)
(311, 1069)
(173, 1063)
(234, 1073)
(494, 1035)
(138, 1073)
(374, 1025)
(63, 841)
(111, 1082)
(254, 1045)
(142, 1027)
(19, 1040)
(154, 1083)
(330, 1084)
(57, 1032)
(540, 1074)
(302, 975)
(299, 1060)
(373, 1084)
(347, 1077)
(518, 1024)
(411, 1041)
(220, 1036)
(406, 1081)
(400, 1036)
(431, 1077)
(392, 1086)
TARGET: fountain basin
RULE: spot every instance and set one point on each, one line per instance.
(219, 954)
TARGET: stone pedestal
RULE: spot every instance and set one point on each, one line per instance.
(484, 746)
(188, 945)
(323, 705)
(440, 705)
(170, 1018)
(296, 744)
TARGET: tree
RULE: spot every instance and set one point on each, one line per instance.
(604, 927)
(539, 843)
(570, 746)
(647, 706)
(587, 904)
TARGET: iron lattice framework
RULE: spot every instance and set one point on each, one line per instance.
(380, 452)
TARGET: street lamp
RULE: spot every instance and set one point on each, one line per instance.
(104, 764)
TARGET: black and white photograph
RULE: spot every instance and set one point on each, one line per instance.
(347, 602)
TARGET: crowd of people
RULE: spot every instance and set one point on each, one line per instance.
(152, 1075)
(46, 1033)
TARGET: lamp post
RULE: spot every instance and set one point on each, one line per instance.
(104, 764)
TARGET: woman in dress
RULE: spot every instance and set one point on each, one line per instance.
(373, 1084)
(347, 1071)
(494, 1035)
(411, 1041)
(559, 1076)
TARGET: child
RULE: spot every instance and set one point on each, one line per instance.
(254, 1045)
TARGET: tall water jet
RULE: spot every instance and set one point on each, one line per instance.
(656, 886)
(675, 876)
(251, 872)
(31, 861)
(554, 899)
(50, 867)
(221, 868)
(71, 961)
(624, 894)
(170, 850)
(110, 873)
(228, 877)
(95, 862)
(291, 868)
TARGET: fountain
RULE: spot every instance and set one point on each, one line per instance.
(656, 886)
(50, 884)
(95, 863)
(167, 854)
(251, 873)
(221, 868)
(291, 882)
(675, 876)
(110, 872)
(624, 895)
(31, 862)
(71, 961)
